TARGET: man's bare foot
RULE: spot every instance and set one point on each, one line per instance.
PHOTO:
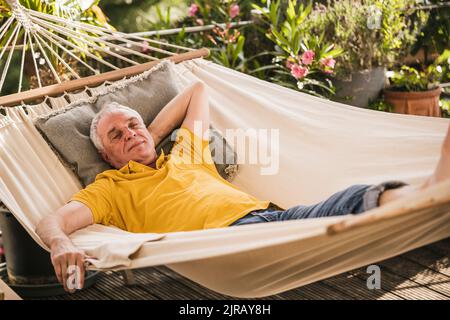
(441, 173)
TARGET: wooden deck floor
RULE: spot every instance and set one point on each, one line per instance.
(419, 274)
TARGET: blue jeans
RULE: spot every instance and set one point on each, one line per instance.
(353, 200)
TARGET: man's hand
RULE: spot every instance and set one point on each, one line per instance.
(66, 258)
(68, 262)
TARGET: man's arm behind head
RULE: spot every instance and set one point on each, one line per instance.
(54, 230)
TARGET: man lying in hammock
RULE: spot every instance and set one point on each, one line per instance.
(181, 191)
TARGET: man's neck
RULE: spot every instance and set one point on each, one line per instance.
(151, 164)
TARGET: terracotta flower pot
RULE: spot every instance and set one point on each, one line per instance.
(421, 103)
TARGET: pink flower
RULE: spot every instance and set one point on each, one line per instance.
(308, 57)
(290, 62)
(329, 71)
(328, 62)
(234, 11)
(298, 71)
(193, 10)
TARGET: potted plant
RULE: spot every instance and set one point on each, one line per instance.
(417, 92)
(373, 34)
(301, 60)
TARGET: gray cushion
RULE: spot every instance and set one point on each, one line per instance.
(67, 130)
(68, 135)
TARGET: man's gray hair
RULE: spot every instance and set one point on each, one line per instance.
(112, 107)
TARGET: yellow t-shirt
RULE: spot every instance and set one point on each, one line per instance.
(185, 192)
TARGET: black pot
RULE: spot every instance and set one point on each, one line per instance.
(27, 262)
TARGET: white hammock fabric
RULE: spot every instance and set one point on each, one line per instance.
(324, 147)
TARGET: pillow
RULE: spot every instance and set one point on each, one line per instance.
(67, 133)
(67, 130)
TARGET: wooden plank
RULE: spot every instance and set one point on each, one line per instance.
(198, 289)
(385, 290)
(7, 292)
(158, 284)
(113, 286)
(86, 294)
(419, 274)
(402, 287)
(91, 293)
(356, 287)
(315, 291)
(108, 286)
(430, 259)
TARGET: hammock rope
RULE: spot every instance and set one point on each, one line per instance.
(109, 34)
(22, 62)
(50, 38)
(15, 34)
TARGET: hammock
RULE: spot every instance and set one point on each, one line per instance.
(324, 147)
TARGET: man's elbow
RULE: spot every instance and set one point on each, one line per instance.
(47, 223)
(42, 223)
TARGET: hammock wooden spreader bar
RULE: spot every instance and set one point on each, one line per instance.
(73, 85)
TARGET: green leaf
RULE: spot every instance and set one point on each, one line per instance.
(280, 38)
(168, 15)
(320, 85)
(335, 52)
(159, 13)
(236, 50)
(290, 12)
(264, 53)
(273, 12)
(264, 68)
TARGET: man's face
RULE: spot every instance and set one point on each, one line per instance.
(125, 137)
